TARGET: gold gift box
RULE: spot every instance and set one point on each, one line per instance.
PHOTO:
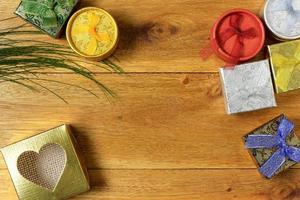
(262, 155)
(93, 28)
(285, 65)
(47, 166)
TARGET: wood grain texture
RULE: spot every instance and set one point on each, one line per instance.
(156, 35)
(171, 121)
(166, 136)
(181, 185)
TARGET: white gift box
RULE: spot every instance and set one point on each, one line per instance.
(247, 87)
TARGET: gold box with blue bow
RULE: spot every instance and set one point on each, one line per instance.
(285, 65)
(47, 166)
(274, 146)
(48, 15)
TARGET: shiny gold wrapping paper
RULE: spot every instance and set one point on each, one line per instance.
(285, 65)
(260, 156)
(74, 177)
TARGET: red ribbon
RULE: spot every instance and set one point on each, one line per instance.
(233, 30)
(236, 30)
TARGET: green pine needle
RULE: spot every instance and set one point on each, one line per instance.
(20, 59)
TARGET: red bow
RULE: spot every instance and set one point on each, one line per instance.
(236, 30)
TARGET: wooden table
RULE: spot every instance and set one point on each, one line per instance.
(167, 135)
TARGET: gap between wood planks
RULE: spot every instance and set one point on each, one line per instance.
(173, 169)
(132, 73)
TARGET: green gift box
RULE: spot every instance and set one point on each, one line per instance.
(48, 15)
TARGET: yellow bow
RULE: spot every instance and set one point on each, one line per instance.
(95, 36)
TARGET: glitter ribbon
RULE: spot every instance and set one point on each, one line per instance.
(278, 141)
(47, 10)
(234, 30)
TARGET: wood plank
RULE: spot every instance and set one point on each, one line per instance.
(156, 35)
(166, 137)
(163, 121)
(181, 185)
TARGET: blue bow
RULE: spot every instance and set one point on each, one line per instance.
(283, 152)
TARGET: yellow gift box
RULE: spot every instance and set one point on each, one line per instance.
(93, 33)
(47, 166)
(285, 65)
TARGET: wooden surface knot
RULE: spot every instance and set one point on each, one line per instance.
(158, 30)
(215, 90)
(167, 27)
(186, 80)
(285, 192)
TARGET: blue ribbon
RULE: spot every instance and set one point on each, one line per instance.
(283, 151)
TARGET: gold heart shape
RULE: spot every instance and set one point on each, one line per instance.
(44, 168)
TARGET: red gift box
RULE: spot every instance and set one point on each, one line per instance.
(237, 36)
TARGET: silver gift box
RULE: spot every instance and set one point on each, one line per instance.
(247, 87)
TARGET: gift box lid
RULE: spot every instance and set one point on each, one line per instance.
(238, 35)
(272, 135)
(282, 17)
(285, 65)
(93, 33)
(247, 87)
(47, 166)
(47, 15)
